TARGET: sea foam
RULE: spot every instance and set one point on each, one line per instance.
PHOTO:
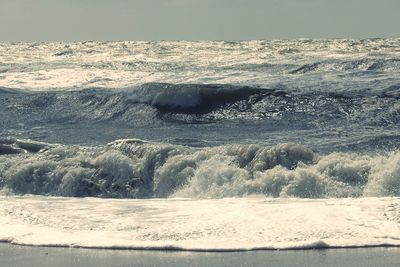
(229, 224)
(135, 169)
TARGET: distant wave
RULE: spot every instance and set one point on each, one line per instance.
(365, 64)
(303, 65)
(133, 168)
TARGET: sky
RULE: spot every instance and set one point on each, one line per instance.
(78, 20)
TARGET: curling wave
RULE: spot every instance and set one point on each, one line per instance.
(134, 168)
(190, 103)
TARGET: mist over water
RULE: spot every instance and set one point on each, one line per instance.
(294, 118)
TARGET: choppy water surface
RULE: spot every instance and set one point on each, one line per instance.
(304, 118)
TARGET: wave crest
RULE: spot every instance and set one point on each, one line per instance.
(190, 96)
(197, 103)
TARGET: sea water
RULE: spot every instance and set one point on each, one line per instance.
(253, 127)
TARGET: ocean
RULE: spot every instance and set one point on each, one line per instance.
(201, 145)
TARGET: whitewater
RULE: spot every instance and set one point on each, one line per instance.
(201, 145)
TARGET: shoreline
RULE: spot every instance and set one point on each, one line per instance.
(322, 247)
(21, 256)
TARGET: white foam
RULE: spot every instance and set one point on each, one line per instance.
(209, 225)
(134, 168)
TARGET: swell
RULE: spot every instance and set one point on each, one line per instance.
(134, 168)
(364, 64)
(192, 103)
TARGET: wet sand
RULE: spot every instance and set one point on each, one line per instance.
(21, 256)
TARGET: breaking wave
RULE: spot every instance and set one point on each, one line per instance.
(190, 103)
(134, 168)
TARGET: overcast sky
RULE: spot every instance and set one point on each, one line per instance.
(76, 20)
